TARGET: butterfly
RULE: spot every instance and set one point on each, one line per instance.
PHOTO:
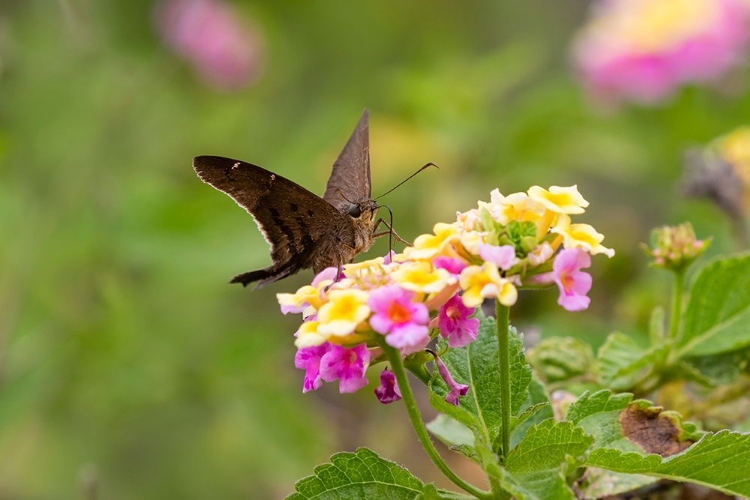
(303, 229)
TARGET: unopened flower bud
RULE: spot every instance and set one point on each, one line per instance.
(675, 247)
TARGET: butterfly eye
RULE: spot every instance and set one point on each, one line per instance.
(355, 211)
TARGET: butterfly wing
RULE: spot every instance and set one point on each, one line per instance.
(350, 179)
(297, 224)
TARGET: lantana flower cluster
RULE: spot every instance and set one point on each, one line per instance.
(523, 240)
(642, 50)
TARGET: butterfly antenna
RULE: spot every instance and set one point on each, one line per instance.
(341, 193)
(402, 182)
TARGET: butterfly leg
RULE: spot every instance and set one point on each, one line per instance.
(389, 231)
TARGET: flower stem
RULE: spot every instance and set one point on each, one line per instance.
(397, 366)
(502, 314)
(674, 319)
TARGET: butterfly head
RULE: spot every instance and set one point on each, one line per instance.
(363, 212)
(363, 220)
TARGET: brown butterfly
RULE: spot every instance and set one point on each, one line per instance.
(303, 229)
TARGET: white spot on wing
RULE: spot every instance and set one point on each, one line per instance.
(236, 165)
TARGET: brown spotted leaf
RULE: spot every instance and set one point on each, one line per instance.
(635, 438)
(654, 430)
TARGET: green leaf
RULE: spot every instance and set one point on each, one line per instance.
(546, 445)
(622, 363)
(430, 492)
(598, 414)
(558, 359)
(535, 410)
(618, 423)
(362, 474)
(626, 431)
(528, 413)
(592, 405)
(477, 366)
(717, 317)
(438, 392)
(537, 468)
(535, 485)
(453, 434)
(602, 483)
(720, 461)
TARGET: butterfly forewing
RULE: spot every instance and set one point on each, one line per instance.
(293, 220)
(350, 179)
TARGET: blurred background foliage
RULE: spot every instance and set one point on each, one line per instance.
(129, 368)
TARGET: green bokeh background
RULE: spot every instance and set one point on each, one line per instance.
(130, 368)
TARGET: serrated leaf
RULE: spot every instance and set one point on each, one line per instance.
(720, 461)
(477, 366)
(528, 413)
(602, 483)
(362, 474)
(616, 422)
(593, 404)
(622, 363)
(546, 445)
(717, 317)
(541, 485)
(535, 410)
(537, 467)
(535, 486)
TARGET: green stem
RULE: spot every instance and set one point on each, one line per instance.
(397, 366)
(674, 319)
(503, 347)
(675, 314)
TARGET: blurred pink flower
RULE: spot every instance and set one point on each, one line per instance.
(223, 50)
(642, 50)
